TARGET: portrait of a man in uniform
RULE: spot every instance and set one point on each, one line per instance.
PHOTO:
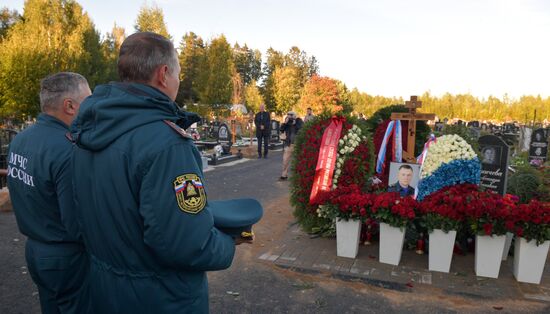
(403, 178)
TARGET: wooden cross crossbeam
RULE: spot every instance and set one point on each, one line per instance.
(412, 116)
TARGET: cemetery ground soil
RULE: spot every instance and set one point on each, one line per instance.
(253, 285)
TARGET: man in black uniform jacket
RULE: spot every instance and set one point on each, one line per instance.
(262, 121)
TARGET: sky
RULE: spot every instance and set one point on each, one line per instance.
(382, 47)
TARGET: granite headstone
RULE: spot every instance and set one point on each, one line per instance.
(275, 128)
(494, 163)
(224, 134)
(538, 150)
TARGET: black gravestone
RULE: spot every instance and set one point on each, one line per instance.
(275, 128)
(538, 150)
(224, 134)
(494, 163)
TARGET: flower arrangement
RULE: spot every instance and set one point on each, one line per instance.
(354, 165)
(346, 202)
(346, 147)
(446, 149)
(450, 161)
(489, 213)
(445, 208)
(396, 211)
(532, 221)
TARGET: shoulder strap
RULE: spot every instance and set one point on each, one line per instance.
(179, 130)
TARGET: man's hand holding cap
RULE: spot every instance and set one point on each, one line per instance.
(236, 217)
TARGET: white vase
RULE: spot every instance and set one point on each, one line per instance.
(441, 250)
(391, 244)
(347, 237)
(529, 260)
(507, 244)
(489, 255)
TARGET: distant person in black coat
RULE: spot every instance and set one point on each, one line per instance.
(291, 126)
(262, 121)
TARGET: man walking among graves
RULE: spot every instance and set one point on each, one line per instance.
(290, 127)
(262, 121)
(39, 180)
(140, 190)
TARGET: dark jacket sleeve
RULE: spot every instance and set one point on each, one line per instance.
(268, 121)
(64, 191)
(257, 120)
(183, 240)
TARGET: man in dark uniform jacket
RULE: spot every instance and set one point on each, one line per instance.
(39, 181)
(140, 190)
(263, 132)
(404, 177)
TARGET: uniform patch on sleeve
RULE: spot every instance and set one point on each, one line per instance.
(190, 193)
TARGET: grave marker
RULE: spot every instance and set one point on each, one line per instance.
(494, 163)
(538, 150)
(412, 116)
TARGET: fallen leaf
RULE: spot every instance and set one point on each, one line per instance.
(233, 293)
(498, 308)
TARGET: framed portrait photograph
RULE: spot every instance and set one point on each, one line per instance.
(491, 155)
(403, 178)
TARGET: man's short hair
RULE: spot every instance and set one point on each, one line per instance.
(142, 53)
(308, 108)
(405, 167)
(56, 87)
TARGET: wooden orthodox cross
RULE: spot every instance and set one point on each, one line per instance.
(412, 116)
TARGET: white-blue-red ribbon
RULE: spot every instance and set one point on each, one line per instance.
(394, 128)
(420, 159)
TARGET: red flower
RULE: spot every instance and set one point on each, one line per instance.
(488, 228)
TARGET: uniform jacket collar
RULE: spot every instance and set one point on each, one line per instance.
(52, 121)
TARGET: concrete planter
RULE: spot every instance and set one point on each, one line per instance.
(347, 237)
(441, 250)
(529, 260)
(489, 255)
(391, 244)
(507, 244)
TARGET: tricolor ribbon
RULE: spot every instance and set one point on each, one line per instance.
(394, 129)
(422, 157)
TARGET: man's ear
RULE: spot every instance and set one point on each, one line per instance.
(161, 75)
(69, 106)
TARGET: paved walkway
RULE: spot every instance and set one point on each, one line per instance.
(300, 252)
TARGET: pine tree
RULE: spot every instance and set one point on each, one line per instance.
(111, 48)
(151, 19)
(275, 59)
(192, 54)
(219, 86)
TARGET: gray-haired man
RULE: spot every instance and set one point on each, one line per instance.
(40, 185)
